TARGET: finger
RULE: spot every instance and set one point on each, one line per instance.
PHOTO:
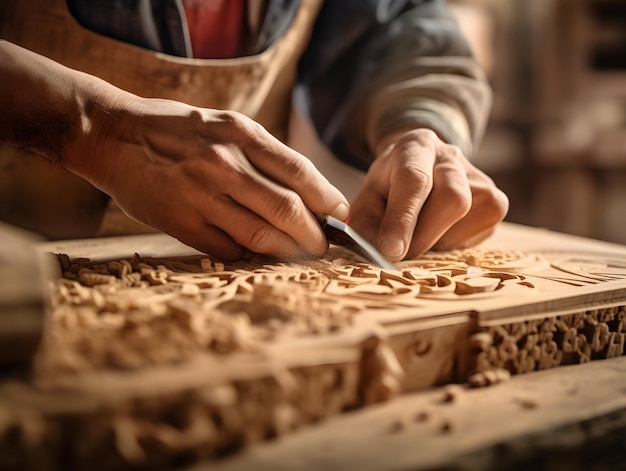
(449, 201)
(280, 209)
(258, 235)
(230, 229)
(367, 211)
(211, 240)
(409, 191)
(296, 172)
(183, 216)
(240, 182)
(368, 208)
(489, 207)
(410, 162)
(248, 228)
(211, 221)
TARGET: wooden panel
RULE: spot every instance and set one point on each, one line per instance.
(152, 361)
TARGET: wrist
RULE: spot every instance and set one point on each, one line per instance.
(391, 138)
(422, 134)
(107, 124)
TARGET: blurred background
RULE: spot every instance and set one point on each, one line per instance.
(556, 143)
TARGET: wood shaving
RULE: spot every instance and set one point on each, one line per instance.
(452, 393)
(526, 401)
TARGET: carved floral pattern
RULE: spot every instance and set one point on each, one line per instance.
(538, 344)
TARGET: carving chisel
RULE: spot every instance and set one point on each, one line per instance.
(339, 233)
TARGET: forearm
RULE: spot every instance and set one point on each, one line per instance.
(55, 112)
(415, 70)
(428, 78)
(455, 104)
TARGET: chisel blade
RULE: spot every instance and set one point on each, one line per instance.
(339, 233)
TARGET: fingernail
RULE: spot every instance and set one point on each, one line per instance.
(341, 212)
(392, 247)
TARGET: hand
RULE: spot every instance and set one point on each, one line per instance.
(216, 180)
(421, 193)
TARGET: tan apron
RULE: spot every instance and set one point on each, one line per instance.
(58, 204)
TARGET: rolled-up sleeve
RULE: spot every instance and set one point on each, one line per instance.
(410, 69)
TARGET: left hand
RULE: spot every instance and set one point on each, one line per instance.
(421, 193)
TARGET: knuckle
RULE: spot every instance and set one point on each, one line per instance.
(288, 208)
(454, 151)
(233, 117)
(417, 175)
(404, 220)
(299, 169)
(226, 162)
(259, 238)
(242, 124)
(302, 173)
(491, 203)
(459, 198)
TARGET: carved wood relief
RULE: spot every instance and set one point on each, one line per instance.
(150, 361)
(537, 344)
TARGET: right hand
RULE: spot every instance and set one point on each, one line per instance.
(216, 180)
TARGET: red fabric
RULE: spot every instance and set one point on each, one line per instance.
(217, 27)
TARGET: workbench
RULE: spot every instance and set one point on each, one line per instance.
(570, 418)
(154, 356)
